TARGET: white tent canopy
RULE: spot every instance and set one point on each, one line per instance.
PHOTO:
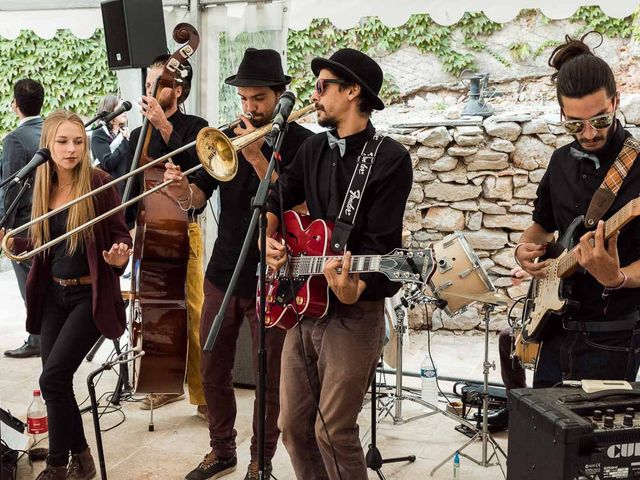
(82, 17)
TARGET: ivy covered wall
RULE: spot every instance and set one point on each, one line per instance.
(73, 72)
(455, 46)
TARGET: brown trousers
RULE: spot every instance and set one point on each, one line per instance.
(329, 363)
(217, 367)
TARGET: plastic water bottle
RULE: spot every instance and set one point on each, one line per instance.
(428, 377)
(456, 467)
(37, 427)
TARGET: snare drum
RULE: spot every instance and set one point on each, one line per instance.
(458, 275)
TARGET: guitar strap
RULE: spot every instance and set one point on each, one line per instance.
(347, 216)
(605, 195)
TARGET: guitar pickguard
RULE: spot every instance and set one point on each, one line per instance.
(545, 296)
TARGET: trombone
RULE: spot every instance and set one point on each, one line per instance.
(217, 153)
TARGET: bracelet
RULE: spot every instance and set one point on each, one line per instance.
(621, 284)
(608, 290)
(515, 255)
(190, 206)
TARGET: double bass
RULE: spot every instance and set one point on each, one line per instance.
(160, 256)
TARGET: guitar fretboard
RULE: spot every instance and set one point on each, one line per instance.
(567, 262)
(304, 266)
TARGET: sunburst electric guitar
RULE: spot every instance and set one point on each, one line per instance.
(300, 288)
(545, 294)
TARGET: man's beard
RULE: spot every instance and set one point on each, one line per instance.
(327, 121)
(165, 103)
(260, 121)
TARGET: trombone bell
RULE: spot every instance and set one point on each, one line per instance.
(217, 154)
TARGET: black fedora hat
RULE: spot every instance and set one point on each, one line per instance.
(259, 68)
(350, 64)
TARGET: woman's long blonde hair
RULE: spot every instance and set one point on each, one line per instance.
(46, 179)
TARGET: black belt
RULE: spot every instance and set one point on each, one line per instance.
(624, 323)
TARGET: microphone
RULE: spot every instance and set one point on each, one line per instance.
(282, 112)
(38, 159)
(125, 107)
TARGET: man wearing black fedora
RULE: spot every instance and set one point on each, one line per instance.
(260, 81)
(328, 363)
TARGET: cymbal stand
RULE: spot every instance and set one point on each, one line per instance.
(483, 435)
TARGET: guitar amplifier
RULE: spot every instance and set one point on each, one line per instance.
(552, 440)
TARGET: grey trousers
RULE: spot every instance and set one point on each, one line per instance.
(327, 365)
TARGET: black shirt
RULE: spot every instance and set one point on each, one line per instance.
(64, 265)
(235, 214)
(185, 130)
(564, 193)
(319, 176)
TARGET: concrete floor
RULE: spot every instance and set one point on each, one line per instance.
(180, 438)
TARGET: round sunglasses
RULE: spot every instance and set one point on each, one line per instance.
(598, 122)
(321, 82)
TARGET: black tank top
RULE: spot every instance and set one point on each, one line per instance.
(64, 265)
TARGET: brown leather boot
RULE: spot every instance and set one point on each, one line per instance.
(81, 466)
(53, 473)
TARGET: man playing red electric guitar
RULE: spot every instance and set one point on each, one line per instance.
(328, 363)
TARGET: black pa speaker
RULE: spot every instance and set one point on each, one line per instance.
(134, 32)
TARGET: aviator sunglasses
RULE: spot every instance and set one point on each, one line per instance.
(598, 122)
(321, 82)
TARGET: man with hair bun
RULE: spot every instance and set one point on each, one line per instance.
(597, 337)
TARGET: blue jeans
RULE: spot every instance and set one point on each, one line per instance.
(579, 355)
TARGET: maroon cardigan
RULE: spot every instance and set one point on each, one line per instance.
(108, 307)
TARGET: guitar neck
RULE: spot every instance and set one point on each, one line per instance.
(567, 264)
(305, 266)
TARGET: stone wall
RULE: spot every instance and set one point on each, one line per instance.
(480, 176)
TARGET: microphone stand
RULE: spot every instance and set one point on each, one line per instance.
(100, 116)
(259, 213)
(25, 186)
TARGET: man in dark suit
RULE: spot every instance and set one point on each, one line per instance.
(18, 148)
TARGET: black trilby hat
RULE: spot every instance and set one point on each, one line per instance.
(350, 64)
(259, 68)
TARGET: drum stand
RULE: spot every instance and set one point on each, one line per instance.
(414, 298)
(483, 435)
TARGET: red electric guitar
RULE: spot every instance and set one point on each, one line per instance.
(308, 246)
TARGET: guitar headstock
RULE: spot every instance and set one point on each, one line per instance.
(408, 266)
